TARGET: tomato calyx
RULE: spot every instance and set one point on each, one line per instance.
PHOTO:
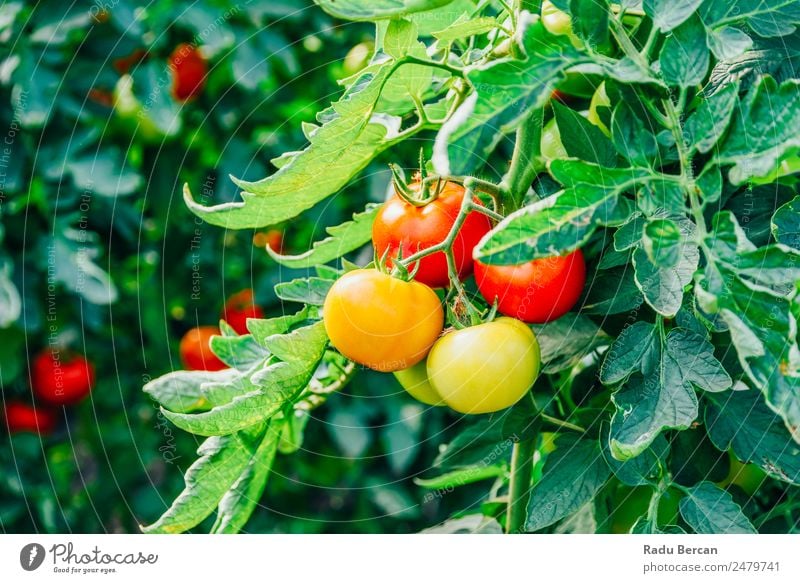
(418, 197)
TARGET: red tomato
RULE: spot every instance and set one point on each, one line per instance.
(124, 64)
(60, 377)
(272, 239)
(400, 224)
(238, 308)
(536, 292)
(195, 351)
(22, 417)
(189, 70)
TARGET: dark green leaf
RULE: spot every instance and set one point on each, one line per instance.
(786, 224)
(684, 57)
(710, 510)
(582, 139)
(667, 14)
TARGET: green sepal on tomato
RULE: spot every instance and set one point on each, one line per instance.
(402, 227)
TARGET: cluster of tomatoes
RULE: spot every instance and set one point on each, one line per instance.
(58, 378)
(194, 347)
(392, 324)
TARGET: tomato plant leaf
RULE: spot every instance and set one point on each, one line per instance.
(222, 460)
(562, 222)
(762, 130)
(684, 57)
(765, 17)
(662, 286)
(505, 93)
(668, 14)
(582, 139)
(343, 239)
(261, 329)
(187, 391)
(268, 388)
(747, 287)
(742, 421)
(643, 469)
(306, 290)
(706, 125)
(350, 134)
(241, 499)
(786, 224)
(627, 352)
(572, 475)
(377, 9)
(565, 341)
(472, 524)
(711, 510)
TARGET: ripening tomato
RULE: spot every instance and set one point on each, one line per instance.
(123, 65)
(61, 377)
(189, 71)
(536, 292)
(23, 417)
(272, 239)
(382, 322)
(416, 383)
(239, 307)
(484, 368)
(401, 226)
(195, 350)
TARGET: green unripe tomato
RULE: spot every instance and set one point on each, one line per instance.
(599, 99)
(416, 383)
(551, 146)
(484, 368)
(132, 113)
(748, 477)
(558, 22)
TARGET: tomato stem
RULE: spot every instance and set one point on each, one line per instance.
(520, 481)
(523, 169)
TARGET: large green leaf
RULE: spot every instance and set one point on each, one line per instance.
(751, 291)
(562, 222)
(763, 130)
(765, 17)
(571, 477)
(661, 393)
(709, 121)
(349, 134)
(786, 224)
(710, 510)
(684, 57)
(742, 421)
(187, 391)
(668, 14)
(565, 341)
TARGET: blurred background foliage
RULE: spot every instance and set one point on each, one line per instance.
(98, 254)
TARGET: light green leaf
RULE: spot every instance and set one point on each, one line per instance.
(343, 239)
(377, 9)
(663, 242)
(711, 510)
(472, 524)
(306, 290)
(241, 499)
(350, 134)
(466, 27)
(10, 301)
(263, 329)
(187, 391)
(222, 460)
(461, 477)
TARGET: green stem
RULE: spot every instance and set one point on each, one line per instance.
(520, 482)
(408, 59)
(561, 424)
(523, 169)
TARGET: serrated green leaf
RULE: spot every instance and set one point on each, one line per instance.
(466, 27)
(187, 391)
(263, 329)
(742, 421)
(268, 389)
(711, 510)
(571, 477)
(306, 290)
(582, 139)
(632, 136)
(506, 91)
(668, 14)
(222, 460)
(350, 134)
(748, 287)
(627, 352)
(662, 286)
(663, 242)
(565, 341)
(684, 57)
(763, 130)
(644, 469)
(240, 500)
(765, 17)
(562, 222)
(590, 20)
(343, 239)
